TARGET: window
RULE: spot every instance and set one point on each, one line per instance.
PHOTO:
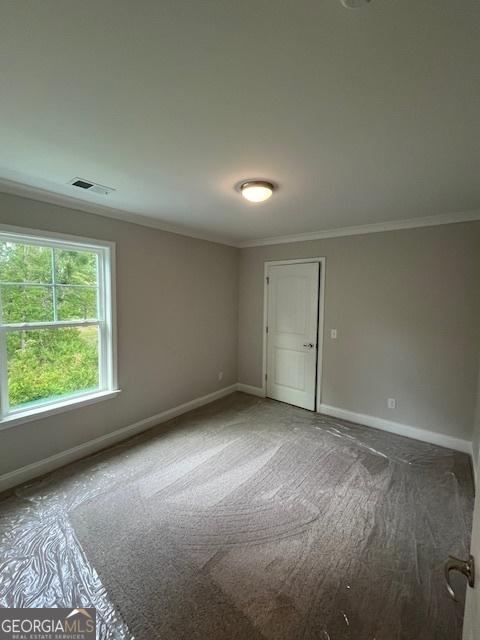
(56, 333)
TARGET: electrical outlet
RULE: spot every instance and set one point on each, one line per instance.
(220, 376)
(333, 334)
(392, 403)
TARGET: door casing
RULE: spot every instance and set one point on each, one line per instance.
(321, 314)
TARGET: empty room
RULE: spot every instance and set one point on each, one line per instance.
(239, 319)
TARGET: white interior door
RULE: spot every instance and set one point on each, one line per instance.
(292, 322)
(471, 623)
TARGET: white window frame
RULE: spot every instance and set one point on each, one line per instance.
(106, 322)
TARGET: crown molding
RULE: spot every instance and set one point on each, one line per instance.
(378, 227)
(44, 195)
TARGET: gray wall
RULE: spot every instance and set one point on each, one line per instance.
(407, 308)
(406, 305)
(177, 327)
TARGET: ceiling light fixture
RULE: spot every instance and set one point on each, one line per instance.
(256, 190)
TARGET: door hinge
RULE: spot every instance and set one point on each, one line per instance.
(266, 375)
(266, 329)
(268, 280)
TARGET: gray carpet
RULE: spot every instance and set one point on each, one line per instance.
(247, 519)
(251, 519)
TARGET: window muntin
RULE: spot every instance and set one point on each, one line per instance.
(55, 322)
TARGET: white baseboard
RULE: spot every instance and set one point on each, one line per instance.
(400, 429)
(24, 474)
(251, 390)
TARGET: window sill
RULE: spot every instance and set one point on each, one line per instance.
(66, 405)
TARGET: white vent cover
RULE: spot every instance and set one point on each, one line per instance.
(92, 187)
(354, 4)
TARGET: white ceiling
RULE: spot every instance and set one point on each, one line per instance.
(361, 117)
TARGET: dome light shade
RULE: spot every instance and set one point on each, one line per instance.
(256, 190)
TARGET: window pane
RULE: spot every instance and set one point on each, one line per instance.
(47, 364)
(76, 303)
(24, 303)
(25, 263)
(75, 267)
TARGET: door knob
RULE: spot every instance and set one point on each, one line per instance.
(310, 345)
(467, 567)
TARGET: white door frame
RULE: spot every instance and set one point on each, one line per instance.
(321, 315)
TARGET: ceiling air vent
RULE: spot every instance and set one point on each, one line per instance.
(354, 4)
(93, 187)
